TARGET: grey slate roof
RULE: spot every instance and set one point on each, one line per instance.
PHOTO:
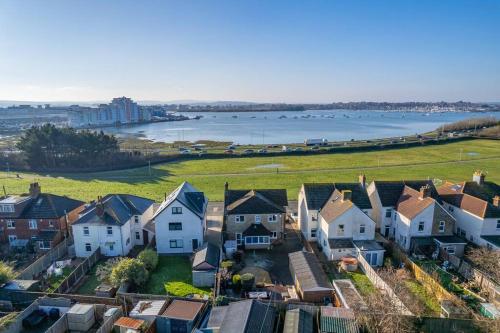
(308, 270)
(209, 254)
(118, 209)
(43, 206)
(189, 196)
(256, 230)
(492, 239)
(368, 245)
(298, 321)
(318, 194)
(255, 201)
(452, 239)
(249, 316)
(390, 191)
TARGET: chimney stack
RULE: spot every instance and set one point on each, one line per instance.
(362, 180)
(496, 201)
(346, 195)
(425, 192)
(226, 187)
(478, 177)
(35, 189)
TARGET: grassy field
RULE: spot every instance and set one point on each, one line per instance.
(172, 276)
(454, 161)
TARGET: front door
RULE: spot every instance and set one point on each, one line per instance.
(386, 233)
(373, 261)
(195, 244)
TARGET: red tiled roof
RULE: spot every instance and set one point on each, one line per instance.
(130, 323)
(454, 195)
(410, 204)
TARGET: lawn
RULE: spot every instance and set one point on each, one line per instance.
(55, 281)
(430, 302)
(88, 287)
(362, 283)
(172, 276)
(209, 175)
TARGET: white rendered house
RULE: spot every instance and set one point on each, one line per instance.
(180, 221)
(113, 223)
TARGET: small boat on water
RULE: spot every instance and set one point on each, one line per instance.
(235, 116)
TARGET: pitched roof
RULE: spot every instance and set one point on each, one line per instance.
(42, 206)
(255, 201)
(335, 206)
(317, 194)
(308, 270)
(336, 320)
(256, 230)
(359, 195)
(249, 316)
(208, 254)
(185, 310)
(390, 191)
(129, 323)
(298, 321)
(117, 209)
(189, 196)
(471, 197)
(410, 204)
(495, 239)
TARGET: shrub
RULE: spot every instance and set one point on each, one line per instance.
(129, 270)
(103, 272)
(6, 272)
(236, 280)
(149, 258)
(247, 281)
(227, 264)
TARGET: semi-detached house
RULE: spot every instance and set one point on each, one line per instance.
(114, 223)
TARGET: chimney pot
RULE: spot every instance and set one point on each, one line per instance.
(35, 189)
(346, 195)
(425, 191)
(496, 201)
(362, 180)
(226, 186)
(478, 177)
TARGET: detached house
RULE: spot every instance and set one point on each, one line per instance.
(421, 221)
(254, 218)
(114, 223)
(475, 206)
(337, 217)
(180, 222)
(37, 218)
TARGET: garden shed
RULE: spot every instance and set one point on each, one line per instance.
(205, 266)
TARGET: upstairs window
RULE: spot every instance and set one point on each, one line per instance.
(109, 230)
(441, 226)
(388, 213)
(340, 230)
(239, 218)
(11, 224)
(175, 226)
(272, 218)
(176, 210)
(32, 224)
(86, 231)
(88, 247)
(257, 219)
(362, 229)
(7, 208)
(136, 219)
(498, 224)
(421, 226)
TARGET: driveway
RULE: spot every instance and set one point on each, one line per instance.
(214, 222)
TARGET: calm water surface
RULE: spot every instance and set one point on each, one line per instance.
(293, 126)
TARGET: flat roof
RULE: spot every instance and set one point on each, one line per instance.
(185, 310)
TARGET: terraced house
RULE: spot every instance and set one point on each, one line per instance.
(254, 218)
(36, 219)
(475, 206)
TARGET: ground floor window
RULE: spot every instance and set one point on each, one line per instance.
(257, 240)
(112, 247)
(88, 247)
(137, 235)
(238, 238)
(12, 238)
(176, 244)
(450, 249)
(44, 245)
(274, 235)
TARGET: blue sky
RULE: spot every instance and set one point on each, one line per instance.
(267, 51)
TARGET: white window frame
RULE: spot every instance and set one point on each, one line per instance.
(41, 245)
(12, 238)
(32, 224)
(421, 223)
(11, 224)
(108, 233)
(257, 240)
(239, 218)
(51, 224)
(258, 219)
(137, 235)
(86, 231)
(176, 210)
(498, 224)
(239, 238)
(88, 247)
(176, 242)
(274, 235)
(362, 227)
(314, 232)
(7, 208)
(136, 219)
(340, 230)
(442, 226)
(174, 223)
(272, 218)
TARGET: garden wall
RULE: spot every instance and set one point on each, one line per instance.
(79, 272)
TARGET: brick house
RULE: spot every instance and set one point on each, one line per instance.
(254, 218)
(36, 218)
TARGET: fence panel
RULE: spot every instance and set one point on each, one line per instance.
(79, 272)
(107, 326)
(60, 326)
(382, 285)
(42, 263)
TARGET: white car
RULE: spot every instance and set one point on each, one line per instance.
(185, 152)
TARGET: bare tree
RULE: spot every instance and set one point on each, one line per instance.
(486, 260)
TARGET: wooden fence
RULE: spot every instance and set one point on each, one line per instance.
(79, 272)
(380, 284)
(42, 263)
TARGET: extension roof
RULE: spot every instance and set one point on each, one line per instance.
(472, 197)
(255, 201)
(257, 230)
(41, 206)
(189, 196)
(117, 209)
(249, 316)
(308, 271)
(298, 321)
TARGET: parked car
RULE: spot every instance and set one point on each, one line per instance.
(228, 151)
(297, 149)
(315, 148)
(231, 147)
(248, 151)
(262, 151)
(185, 151)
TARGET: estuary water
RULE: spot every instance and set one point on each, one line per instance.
(294, 126)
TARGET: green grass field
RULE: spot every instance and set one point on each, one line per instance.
(435, 162)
